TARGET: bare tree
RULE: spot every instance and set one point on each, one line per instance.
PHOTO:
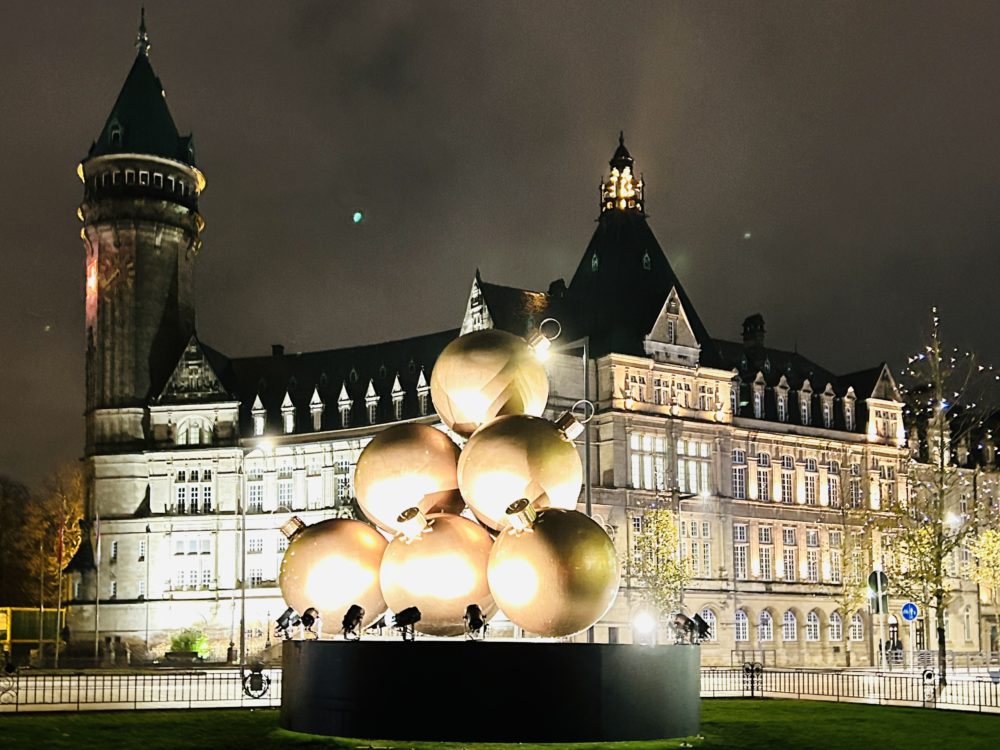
(13, 506)
(945, 393)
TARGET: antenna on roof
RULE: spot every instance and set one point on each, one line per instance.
(142, 38)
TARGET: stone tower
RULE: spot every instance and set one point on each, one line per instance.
(141, 233)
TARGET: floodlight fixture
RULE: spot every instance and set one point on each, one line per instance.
(475, 623)
(702, 627)
(684, 628)
(285, 622)
(351, 625)
(404, 622)
(311, 622)
(644, 623)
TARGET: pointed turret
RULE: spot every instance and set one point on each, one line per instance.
(622, 283)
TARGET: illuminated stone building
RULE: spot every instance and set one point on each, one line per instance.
(761, 450)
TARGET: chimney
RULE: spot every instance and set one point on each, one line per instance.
(753, 331)
(277, 350)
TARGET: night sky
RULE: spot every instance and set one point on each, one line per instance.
(855, 142)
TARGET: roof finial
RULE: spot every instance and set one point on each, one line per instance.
(142, 38)
(621, 138)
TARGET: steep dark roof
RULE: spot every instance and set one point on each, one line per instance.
(327, 371)
(143, 117)
(618, 300)
(521, 311)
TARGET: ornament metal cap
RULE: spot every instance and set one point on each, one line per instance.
(292, 526)
(569, 425)
(521, 515)
(412, 523)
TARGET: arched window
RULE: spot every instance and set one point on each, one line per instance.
(765, 629)
(789, 626)
(709, 617)
(742, 626)
(857, 627)
(812, 626)
(193, 431)
(836, 627)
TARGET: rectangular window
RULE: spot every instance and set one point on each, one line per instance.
(788, 536)
(195, 504)
(142, 550)
(763, 484)
(810, 487)
(740, 482)
(836, 566)
(192, 582)
(157, 180)
(143, 177)
(812, 565)
(787, 485)
(282, 543)
(114, 551)
(706, 528)
(255, 544)
(647, 461)
(740, 561)
(782, 408)
(114, 589)
(255, 497)
(206, 578)
(833, 490)
(790, 563)
(706, 559)
(693, 460)
(206, 497)
(180, 499)
(142, 589)
(767, 562)
(255, 576)
(764, 535)
(205, 546)
(812, 537)
(739, 532)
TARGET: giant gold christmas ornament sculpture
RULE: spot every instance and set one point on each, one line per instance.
(408, 465)
(553, 575)
(439, 566)
(519, 457)
(486, 374)
(332, 565)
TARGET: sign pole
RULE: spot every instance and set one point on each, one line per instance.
(881, 622)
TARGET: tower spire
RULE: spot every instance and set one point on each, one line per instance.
(142, 38)
(621, 191)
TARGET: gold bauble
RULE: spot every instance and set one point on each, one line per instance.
(486, 374)
(407, 466)
(518, 457)
(440, 572)
(557, 578)
(332, 565)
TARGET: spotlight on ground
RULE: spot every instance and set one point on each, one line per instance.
(351, 625)
(475, 623)
(684, 628)
(284, 624)
(310, 621)
(702, 627)
(404, 622)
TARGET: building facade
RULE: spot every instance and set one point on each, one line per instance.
(195, 459)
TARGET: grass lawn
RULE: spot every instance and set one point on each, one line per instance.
(725, 724)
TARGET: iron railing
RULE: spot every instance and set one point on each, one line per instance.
(29, 690)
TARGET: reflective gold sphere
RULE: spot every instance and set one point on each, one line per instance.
(485, 374)
(441, 572)
(332, 565)
(556, 579)
(407, 466)
(514, 457)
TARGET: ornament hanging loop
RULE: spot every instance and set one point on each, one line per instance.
(586, 410)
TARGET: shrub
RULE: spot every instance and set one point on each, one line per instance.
(190, 639)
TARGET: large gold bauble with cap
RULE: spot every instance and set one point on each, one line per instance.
(518, 457)
(405, 466)
(440, 570)
(557, 577)
(332, 565)
(486, 374)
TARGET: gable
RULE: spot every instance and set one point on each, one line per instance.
(193, 379)
(477, 313)
(885, 387)
(672, 337)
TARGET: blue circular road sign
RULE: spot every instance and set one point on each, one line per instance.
(910, 611)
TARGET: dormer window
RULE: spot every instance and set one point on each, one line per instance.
(372, 412)
(804, 410)
(594, 263)
(758, 403)
(647, 262)
(782, 406)
(849, 415)
(827, 414)
(288, 421)
(115, 136)
(345, 415)
(671, 331)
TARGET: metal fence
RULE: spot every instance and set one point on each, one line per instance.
(967, 692)
(28, 690)
(94, 691)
